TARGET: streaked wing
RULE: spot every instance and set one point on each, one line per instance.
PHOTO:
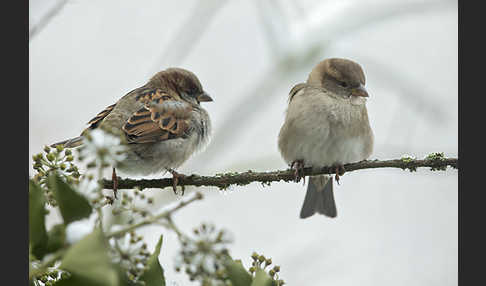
(93, 123)
(162, 117)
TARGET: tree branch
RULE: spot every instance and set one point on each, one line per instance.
(34, 30)
(166, 214)
(434, 161)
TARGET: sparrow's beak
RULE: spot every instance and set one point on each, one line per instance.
(359, 91)
(204, 97)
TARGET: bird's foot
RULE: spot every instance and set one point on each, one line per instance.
(176, 178)
(298, 167)
(339, 171)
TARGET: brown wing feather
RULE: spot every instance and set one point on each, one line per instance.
(93, 123)
(163, 117)
(147, 95)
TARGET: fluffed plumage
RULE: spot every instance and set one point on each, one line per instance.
(162, 121)
(326, 124)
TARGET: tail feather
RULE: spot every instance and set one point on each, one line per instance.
(70, 143)
(319, 197)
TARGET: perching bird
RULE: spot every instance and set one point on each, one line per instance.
(162, 121)
(326, 125)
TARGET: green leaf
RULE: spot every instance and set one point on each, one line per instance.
(262, 278)
(37, 226)
(237, 273)
(56, 238)
(154, 275)
(73, 206)
(89, 264)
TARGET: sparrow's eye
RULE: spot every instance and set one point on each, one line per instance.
(343, 84)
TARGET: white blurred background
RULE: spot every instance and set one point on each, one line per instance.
(393, 227)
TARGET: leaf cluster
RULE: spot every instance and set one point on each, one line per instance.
(117, 257)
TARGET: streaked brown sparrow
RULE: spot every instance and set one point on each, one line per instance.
(162, 121)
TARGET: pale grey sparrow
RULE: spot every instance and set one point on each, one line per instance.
(326, 125)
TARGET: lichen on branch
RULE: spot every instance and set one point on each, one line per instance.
(434, 161)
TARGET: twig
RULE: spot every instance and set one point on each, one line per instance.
(46, 19)
(186, 37)
(223, 181)
(166, 214)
